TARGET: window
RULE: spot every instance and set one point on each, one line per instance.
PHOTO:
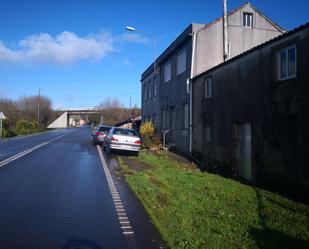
(208, 88)
(185, 116)
(122, 131)
(247, 19)
(163, 119)
(181, 62)
(167, 72)
(149, 90)
(208, 134)
(287, 63)
(155, 88)
(145, 92)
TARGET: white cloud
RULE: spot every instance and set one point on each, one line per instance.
(64, 48)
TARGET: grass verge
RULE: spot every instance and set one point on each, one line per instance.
(200, 210)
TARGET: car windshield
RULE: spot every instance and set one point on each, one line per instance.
(128, 132)
(104, 128)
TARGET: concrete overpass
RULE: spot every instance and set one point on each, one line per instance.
(68, 117)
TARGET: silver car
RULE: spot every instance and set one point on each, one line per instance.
(122, 139)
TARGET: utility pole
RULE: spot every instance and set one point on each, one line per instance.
(39, 108)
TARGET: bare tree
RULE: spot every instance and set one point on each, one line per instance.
(28, 107)
(9, 108)
(113, 111)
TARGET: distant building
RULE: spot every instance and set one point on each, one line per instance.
(166, 91)
(131, 123)
(251, 114)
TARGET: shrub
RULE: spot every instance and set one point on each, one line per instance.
(24, 127)
(6, 131)
(150, 138)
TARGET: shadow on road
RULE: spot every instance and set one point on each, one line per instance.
(81, 243)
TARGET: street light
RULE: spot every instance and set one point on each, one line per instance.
(154, 39)
(130, 28)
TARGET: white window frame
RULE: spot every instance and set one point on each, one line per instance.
(208, 88)
(186, 116)
(246, 20)
(181, 61)
(285, 51)
(167, 73)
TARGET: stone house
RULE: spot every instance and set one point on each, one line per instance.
(251, 113)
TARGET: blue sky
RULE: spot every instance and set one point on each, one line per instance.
(79, 53)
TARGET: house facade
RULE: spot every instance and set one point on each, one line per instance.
(166, 90)
(250, 115)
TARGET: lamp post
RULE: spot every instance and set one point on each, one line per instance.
(154, 39)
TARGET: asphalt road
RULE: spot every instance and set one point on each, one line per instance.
(57, 193)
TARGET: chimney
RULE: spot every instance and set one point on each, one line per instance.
(225, 38)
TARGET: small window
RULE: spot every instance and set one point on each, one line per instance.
(149, 90)
(287, 63)
(247, 19)
(155, 88)
(145, 92)
(167, 72)
(163, 119)
(186, 116)
(208, 88)
(208, 134)
(181, 62)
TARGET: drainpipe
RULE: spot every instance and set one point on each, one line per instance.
(225, 35)
(191, 89)
(164, 133)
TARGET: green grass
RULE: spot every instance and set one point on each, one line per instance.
(201, 210)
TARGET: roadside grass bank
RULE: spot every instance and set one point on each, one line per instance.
(205, 211)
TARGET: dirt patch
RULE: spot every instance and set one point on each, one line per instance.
(162, 199)
(134, 164)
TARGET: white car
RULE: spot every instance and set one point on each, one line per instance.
(122, 139)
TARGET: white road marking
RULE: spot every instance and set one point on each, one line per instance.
(23, 153)
(125, 225)
(120, 210)
(124, 222)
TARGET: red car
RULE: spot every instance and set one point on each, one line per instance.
(99, 134)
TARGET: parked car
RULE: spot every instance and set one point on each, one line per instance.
(99, 134)
(122, 139)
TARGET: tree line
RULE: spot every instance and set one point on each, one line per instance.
(114, 111)
(22, 114)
